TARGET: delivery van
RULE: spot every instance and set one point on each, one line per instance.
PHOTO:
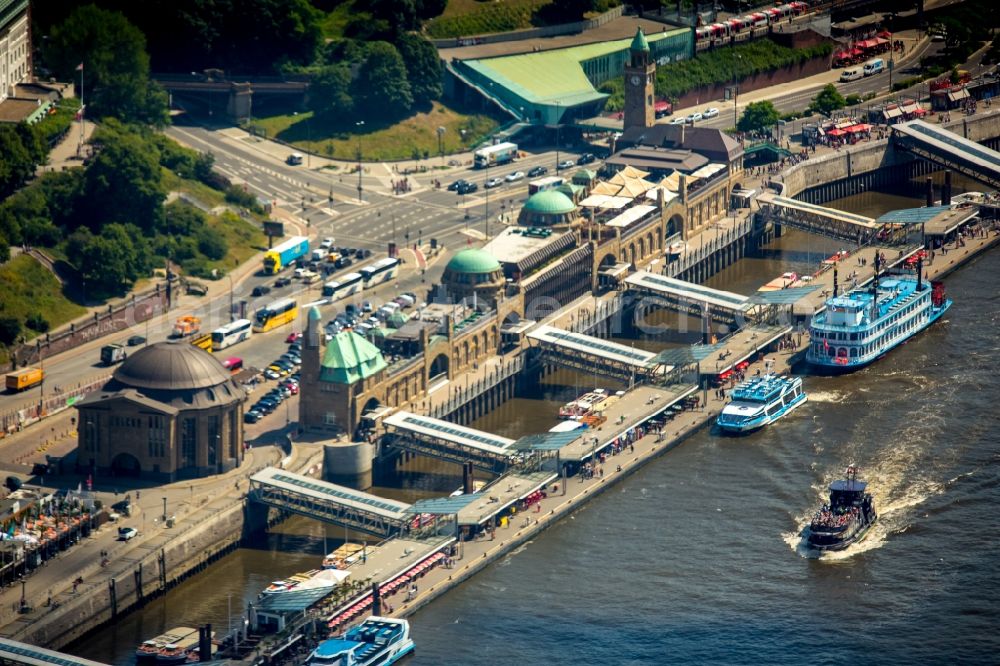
(852, 74)
(22, 380)
(874, 66)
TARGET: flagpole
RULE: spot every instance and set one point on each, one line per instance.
(79, 147)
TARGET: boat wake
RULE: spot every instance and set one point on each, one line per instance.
(829, 397)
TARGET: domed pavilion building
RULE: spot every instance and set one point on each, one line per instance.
(473, 273)
(171, 411)
(549, 208)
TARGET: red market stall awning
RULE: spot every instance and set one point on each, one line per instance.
(856, 51)
(859, 128)
(836, 132)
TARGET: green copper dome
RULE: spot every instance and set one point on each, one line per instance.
(639, 43)
(549, 202)
(473, 261)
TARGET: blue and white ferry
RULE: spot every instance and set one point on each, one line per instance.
(377, 640)
(759, 401)
(862, 325)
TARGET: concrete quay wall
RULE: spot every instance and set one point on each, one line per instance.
(138, 579)
(875, 164)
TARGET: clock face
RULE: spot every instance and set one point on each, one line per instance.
(635, 80)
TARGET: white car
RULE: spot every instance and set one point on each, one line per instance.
(127, 533)
(693, 118)
(678, 121)
(512, 177)
(710, 113)
(326, 244)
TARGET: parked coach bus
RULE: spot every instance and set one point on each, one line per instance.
(274, 315)
(381, 271)
(231, 334)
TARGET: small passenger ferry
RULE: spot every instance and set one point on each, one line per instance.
(310, 580)
(591, 402)
(846, 518)
(862, 325)
(377, 640)
(759, 401)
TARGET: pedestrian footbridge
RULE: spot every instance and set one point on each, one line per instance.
(452, 442)
(16, 652)
(816, 219)
(690, 298)
(329, 502)
(949, 150)
(591, 355)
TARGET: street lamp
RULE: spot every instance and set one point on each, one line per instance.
(165, 509)
(440, 132)
(359, 125)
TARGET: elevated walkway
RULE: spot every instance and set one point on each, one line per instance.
(449, 441)
(329, 502)
(586, 353)
(816, 219)
(16, 652)
(949, 150)
(691, 298)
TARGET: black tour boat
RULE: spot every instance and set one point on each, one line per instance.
(846, 518)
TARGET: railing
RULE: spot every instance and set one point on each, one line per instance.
(692, 258)
(461, 395)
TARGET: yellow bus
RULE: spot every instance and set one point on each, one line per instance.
(274, 315)
(203, 341)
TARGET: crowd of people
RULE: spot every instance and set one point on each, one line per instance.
(826, 517)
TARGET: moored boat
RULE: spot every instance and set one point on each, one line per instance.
(759, 401)
(377, 640)
(149, 650)
(317, 578)
(583, 405)
(862, 325)
(784, 281)
(846, 518)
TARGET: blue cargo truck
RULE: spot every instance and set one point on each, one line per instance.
(284, 254)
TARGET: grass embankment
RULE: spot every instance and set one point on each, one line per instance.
(27, 288)
(719, 66)
(471, 17)
(404, 140)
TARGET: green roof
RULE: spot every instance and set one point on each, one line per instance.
(639, 42)
(473, 261)
(350, 358)
(556, 75)
(549, 202)
(585, 175)
(569, 189)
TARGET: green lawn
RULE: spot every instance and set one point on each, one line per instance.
(331, 137)
(471, 17)
(27, 287)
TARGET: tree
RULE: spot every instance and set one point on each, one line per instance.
(124, 183)
(115, 64)
(758, 116)
(423, 67)
(211, 244)
(10, 330)
(17, 161)
(381, 89)
(330, 90)
(112, 261)
(828, 100)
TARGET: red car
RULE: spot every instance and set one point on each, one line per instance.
(293, 337)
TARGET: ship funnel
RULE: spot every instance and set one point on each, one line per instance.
(835, 285)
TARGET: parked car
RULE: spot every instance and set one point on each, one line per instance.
(537, 171)
(294, 336)
(126, 533)
(514, 177)
(566, 164)
(271, 373)
(252, 416)
(366, 306)
(710, 112)
(135, 340)
(261, 290)
(586, 158)
(694, 117)
(679, 121)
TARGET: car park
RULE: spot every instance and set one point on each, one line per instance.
(252, 416)
(710, 112)
(586, 158)
(514, 177)
(281, 370)
(537, 171)
(261, 290)
(127, 533)
(566, 164)
(493, 182)
(135, 340)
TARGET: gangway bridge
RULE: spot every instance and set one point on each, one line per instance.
(690, 298)
(449, 441)
(817, 219)
(949, 150)
(16, 652)
(329, 502)
(586, 353)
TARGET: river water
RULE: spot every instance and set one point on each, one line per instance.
(695, 558)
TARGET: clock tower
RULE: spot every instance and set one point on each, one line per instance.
(640, 75)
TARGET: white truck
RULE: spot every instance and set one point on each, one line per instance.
(501, 153)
